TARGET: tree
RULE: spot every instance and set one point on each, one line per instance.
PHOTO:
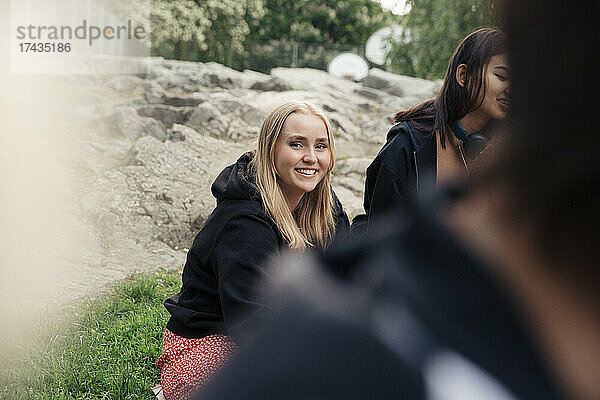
(432, 30)
(326, 21)
(201, 29)
(309, 33)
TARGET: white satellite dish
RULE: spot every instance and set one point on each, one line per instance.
(377, 45)
(348, 66)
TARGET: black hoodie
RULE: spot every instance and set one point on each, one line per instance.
(414, 315)
(404, 168)
(227, 258)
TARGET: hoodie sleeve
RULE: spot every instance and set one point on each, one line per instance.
(389, 175)
(241, 252)
(385, 188)
(386, 184)
(389, 191)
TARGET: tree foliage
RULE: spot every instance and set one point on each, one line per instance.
(202, 29)
(326, 21)
(260, 34)
(432, 30)
(309, 33)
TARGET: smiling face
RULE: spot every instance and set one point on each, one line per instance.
(497, 93)
(302, 155)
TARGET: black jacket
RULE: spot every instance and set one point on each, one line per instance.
(413, 315)
(404, 168)
(227, 259)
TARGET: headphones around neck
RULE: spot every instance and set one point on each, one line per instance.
(472, 144)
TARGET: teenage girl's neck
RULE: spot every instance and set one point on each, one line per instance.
(293, 201)
(474, 121)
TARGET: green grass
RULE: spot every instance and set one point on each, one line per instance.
(101, 348)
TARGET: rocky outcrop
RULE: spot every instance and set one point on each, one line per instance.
(162, 193)
(272, 84)
(155, 141)
(400, 85)
(130, 124)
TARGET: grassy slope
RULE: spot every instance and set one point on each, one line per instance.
(98, 349)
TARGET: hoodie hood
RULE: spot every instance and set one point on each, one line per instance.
(235, 182)
(419, 138)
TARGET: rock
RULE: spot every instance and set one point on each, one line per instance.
(349, 183)
(208, 120)
(400, 85)
(128, 84)
(249, 114)
(147, 65)
(178, 75)
(154, 128)
(130, 159)
(168, 115)
(266, 101)
(370, 93)
(353, 184)
(352, 203)
(181, 65)
(204, 113)
(350, 173)
(177, 134)
(352, 167)
(238, 130)
(378, 79)
(409, 86)
(249, 78)
(168, 80)
(217, 75)
(272, 85)
(313, 79)
(127, 122)
(343, 126)
(164, 192)
(185, 100)
(367, 106)
(155, 94)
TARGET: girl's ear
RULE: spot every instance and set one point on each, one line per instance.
(461, 74)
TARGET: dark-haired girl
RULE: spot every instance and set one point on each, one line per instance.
(439, 139)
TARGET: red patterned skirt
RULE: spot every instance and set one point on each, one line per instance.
(186, 365)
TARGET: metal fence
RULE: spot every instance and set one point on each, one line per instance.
(263, 56)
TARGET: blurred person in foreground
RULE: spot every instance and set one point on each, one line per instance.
(495, 297)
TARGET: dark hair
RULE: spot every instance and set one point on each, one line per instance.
(454, 101)
(550, 165)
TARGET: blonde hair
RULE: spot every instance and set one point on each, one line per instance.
(311, 223)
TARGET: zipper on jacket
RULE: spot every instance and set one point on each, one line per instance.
(416, 171)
